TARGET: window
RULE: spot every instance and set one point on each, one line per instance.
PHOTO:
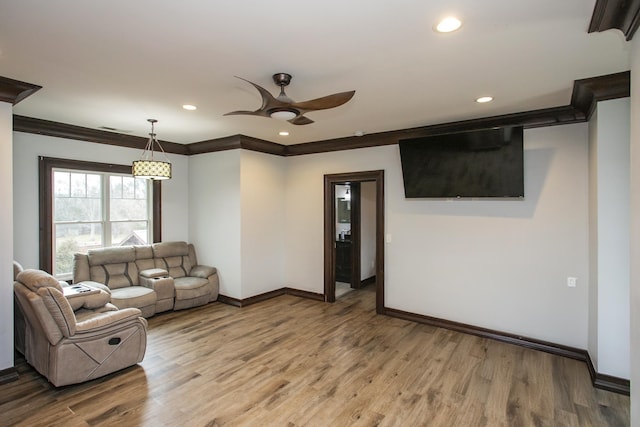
(92, 205)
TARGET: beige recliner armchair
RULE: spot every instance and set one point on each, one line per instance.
(79, 338)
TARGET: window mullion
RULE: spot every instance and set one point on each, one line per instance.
(106, 205)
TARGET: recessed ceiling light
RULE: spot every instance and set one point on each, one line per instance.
(284, 133)
(448, 25)
(189, 107)
(484, 99)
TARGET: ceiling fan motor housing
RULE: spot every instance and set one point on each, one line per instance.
(282, 79)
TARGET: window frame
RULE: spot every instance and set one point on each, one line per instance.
(46, 165)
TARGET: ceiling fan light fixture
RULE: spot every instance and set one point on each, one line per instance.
(283, 114)
(148, 167)
(448, 25)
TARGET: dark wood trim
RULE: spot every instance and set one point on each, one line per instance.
(559, 350)
(268, 295)
(213, 145)
(304, 294)
(602, 381)
(356, 217)
(588, 92)
(157, 211)
(14, 91)
(235, 142)
(229, 300)
(611, 383)
(45, 171)
(62, 130)
(8, 375)
(329, 231)
(529, 119)
(329, 237)
(623, 15)
(262, 297)
(607, 382)
(367, 281)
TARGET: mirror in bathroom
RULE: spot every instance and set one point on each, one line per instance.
(344, 211)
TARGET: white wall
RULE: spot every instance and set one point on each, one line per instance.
(214, 215)
(7, 233)
(26, 150)
(263, 226)
(609, 237)
(367, 229)
(592, 344)
(635, 232)
(491, 263)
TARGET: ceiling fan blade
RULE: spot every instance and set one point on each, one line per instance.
(326, 102)
(268, 102)
(300, 120)
(247, 113)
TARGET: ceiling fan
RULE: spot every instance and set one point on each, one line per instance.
(284, 108)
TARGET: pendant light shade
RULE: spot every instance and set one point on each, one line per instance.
(148, 167)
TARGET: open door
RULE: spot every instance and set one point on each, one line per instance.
(330, 182)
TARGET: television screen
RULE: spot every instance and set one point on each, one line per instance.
(483, 163)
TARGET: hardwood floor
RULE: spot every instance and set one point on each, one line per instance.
(291, 361)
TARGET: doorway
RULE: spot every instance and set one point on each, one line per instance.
(331, 232)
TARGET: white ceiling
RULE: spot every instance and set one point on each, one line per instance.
(117, 63)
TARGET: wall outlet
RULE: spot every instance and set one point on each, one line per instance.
(572, 282)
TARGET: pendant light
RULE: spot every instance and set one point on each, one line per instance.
(148, 167)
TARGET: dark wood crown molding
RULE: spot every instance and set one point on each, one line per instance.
(236, 141)
(528, 119)
(588, 92)
(14, 91)
(62, 130)
(623, 15)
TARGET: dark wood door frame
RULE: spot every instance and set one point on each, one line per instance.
(330, 182)
(355, 234)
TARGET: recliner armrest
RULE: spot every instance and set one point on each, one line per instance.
(107, 319)
(202, 271)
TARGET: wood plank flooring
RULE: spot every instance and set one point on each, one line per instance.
(291, 361)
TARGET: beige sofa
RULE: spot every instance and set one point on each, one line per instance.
(72, 336)
(154, 278)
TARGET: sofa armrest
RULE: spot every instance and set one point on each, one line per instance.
(153, 273)
(108, 319)
(202, 271)
(96, 285)
(162, 285)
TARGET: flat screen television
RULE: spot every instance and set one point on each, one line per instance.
(482, 163)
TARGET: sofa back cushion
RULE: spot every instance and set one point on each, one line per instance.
(173, 257)
(144, 257)
(115, 267)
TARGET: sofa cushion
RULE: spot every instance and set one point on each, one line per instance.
(133, 296)
(191, 287)
(114, 255)
(144, 257)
